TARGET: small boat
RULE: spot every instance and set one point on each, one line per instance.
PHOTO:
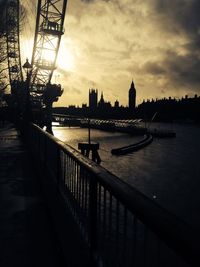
(148, 138)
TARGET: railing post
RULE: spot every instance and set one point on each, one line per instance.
(93, 218)
(59, 167)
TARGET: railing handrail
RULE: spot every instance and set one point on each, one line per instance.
(176, 233)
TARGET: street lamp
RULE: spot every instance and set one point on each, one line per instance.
(27, 67)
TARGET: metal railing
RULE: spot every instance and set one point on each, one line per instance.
(120, 226)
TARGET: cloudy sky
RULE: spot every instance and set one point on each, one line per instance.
(109, 42)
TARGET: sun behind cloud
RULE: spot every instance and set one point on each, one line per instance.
(66, 56)
(65, 60)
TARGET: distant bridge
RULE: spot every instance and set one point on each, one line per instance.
(66, 119)
(127, 126)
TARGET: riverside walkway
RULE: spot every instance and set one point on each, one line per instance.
(27, 237)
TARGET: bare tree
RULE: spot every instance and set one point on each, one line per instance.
(4, 80)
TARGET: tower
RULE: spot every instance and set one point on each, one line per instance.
(132, 96)
(116, 104)
(101, 101)
(93, 96)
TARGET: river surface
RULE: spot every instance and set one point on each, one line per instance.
(167, 170)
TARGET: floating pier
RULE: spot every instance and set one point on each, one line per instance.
(134, 147)
(88, 148)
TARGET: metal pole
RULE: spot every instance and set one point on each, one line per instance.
(89, 131)
(28, 96)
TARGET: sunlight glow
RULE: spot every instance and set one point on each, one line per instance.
(48, 55)
(26, 49)
(65, 59)
(66, 54)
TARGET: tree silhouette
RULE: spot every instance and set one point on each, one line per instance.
(4, 81)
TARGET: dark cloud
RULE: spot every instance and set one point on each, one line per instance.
(120, 4)
(87, 1)
(183, 14)
(179, 18)
(154, 68)
(90, 1)
(183, 69)
(179, 70)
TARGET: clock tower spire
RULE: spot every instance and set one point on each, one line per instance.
(132, 96)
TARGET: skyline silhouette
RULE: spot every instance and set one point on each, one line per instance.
(164, 109)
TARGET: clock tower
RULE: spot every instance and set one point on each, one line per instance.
(132, 96)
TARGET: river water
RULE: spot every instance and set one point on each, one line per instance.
(167, 170)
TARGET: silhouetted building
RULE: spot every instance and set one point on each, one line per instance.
(132, 97)
(116, 104)
(103, 105)
(171, 109)
(166, 109)
(101, 101)
(93, 98)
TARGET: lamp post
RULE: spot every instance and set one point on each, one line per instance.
(27, 67)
